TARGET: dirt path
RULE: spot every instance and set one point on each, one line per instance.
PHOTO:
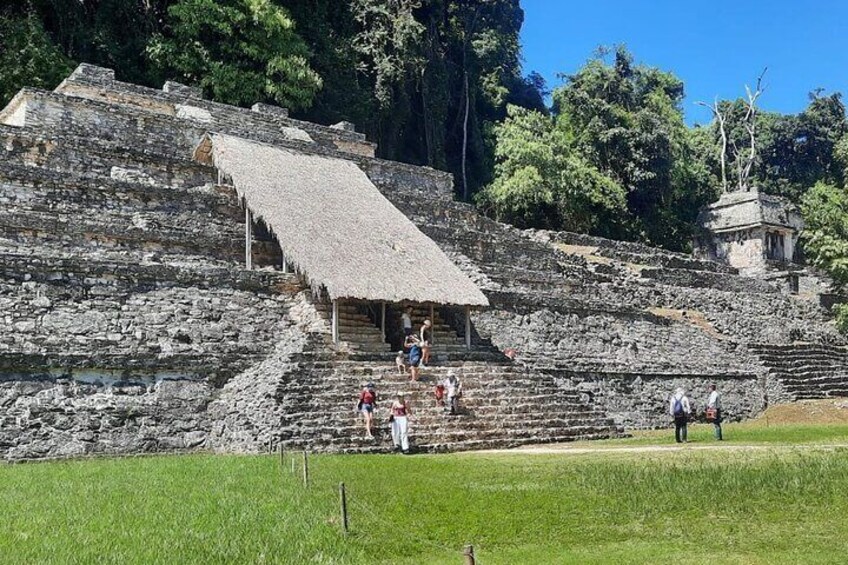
(575, 450)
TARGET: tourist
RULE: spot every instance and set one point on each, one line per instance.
(406, 320)
(400, 424)
(400, 363)
(426, 338)
(367, 403)
(714, 411)
(453, 387)
(679, 408)
(412, 344)
(439, 391)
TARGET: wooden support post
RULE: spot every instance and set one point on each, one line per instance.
(248, 238)
(270, 446)
(305, 469)
(292, 464)
(335, 325)
(383, 319)
(433, 324)
(285, 264)
(468, 327)
(220, 177)
(343, 502)
(469, 555)
(282, 457)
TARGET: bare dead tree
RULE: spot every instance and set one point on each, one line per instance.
(719, 117)
(749, 122)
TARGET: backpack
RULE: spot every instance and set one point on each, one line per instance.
(678, 407)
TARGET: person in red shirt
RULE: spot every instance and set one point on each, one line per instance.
(440, 395)
(367, 403)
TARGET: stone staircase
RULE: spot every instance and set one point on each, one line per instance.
(503, 405)
(361, 337)
(807, 371)
(357, 331)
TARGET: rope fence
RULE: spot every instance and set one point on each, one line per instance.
(352, 507)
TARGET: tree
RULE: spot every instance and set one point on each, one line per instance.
(825, 210)
(239, 51)
(542, 181)
(389, 42)
(794, 152)
(624, 123)
(418, 55)
(328, 27)
(28, 57)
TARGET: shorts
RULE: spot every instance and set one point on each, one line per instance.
(369, 408)
(408, 332)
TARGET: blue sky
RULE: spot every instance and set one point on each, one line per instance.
(716, 47)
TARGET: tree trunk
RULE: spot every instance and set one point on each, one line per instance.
(465, 195)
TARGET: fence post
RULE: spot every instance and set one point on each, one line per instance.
(469, 555)
(343, 502)
(305, 469)
(292, 464)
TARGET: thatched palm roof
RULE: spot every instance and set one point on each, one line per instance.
(336, 227)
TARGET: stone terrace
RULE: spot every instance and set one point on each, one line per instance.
(131, 325)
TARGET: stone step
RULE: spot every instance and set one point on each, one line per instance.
(342, 403)
(451, 438)
(357, 444)
(437, 422)
(458, 430)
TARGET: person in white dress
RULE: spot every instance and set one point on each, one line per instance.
(400, 423)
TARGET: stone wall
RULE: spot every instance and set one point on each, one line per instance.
(637, 400)
(96, 83)
(59, 414)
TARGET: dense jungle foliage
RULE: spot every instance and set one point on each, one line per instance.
(440, 83)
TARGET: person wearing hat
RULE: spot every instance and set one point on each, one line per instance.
(400, 423)
(367, 403)
(453, 387)
(714, 411)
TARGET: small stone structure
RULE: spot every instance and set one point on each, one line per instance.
(749, 230)
(130, 322)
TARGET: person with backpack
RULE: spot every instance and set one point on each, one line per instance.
(366, 405)
(714, 411)
(679, 408)
(400, 423)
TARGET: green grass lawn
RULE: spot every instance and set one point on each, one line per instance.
(778, 505)
(753, 432)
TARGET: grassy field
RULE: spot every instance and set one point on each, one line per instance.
(775, 505)
(805, 422)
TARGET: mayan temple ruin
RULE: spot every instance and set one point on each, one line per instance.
(180, 274)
